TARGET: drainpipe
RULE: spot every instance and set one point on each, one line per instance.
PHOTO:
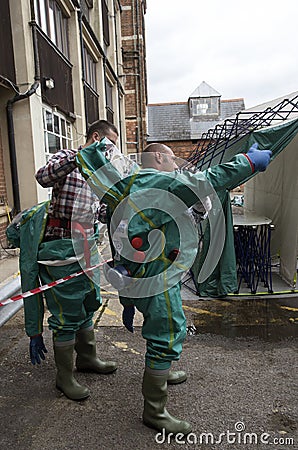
(10, 122)
(139, 80)
(80, 15)
(118, 82)
(134, 27)
(12, 144)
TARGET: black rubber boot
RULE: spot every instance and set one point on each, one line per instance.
(155, 395)
(86, 360)
(65, 380)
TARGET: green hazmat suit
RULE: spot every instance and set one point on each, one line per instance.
(153, 206)
(71, 304)
(28, 236)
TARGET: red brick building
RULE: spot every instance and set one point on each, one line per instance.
(135, 74)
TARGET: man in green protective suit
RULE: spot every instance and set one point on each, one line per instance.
(153, 241)
(47, 241)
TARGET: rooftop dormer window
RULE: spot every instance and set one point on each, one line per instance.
(204, 106)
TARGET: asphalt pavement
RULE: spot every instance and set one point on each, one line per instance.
(241, 392)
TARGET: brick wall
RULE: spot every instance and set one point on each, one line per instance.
(3, 239)
(181, 149)
(134, 67)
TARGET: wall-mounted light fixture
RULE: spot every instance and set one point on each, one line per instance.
(49, 83)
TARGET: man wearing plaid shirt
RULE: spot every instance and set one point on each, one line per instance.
(72, 303)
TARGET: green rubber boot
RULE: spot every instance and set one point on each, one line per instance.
(86, 360)
(65, 380)
(176, 377)
(155, 394)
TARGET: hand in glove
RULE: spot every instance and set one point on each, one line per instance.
(102, 213)
(127, 317)
(259, 158)
(37, 349)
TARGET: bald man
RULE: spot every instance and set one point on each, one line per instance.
(153, 243)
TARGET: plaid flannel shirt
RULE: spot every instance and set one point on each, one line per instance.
(71, 198)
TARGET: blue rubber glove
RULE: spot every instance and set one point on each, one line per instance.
(259, 158)
(127, 317)
(37, 349)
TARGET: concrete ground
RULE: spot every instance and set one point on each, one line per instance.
(237, 383)
(9, 265)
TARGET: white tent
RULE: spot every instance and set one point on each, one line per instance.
(274, 193)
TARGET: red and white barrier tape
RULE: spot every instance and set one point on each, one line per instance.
(50, 285)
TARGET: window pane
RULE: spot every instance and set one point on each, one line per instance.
(105, 22)
(46, 142)
(43, 16)
(64, 35)
(68, 131)
(52, 143)
(90, 69)
(109, 94)
(63, 127)
(93, 76)
(110, 115)
(52, 31)
(56, 124)
(58, 143)
(202, 106)
(36, 10)
(58, 20)
(49, 121)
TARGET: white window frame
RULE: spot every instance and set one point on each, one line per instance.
(52, 19)
(90, 68)
(56, 127)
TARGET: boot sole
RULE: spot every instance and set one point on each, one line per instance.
(154, 427)
(177, 382)
(96, 371)
(70, 398)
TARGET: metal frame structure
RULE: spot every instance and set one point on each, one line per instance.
(217, 140)
(213, 144)
(253, 255)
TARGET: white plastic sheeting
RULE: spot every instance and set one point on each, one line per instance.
(274, 194)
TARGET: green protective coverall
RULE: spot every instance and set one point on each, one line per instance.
(146, 201)
(71, 307)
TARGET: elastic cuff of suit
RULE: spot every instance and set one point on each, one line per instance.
(36, 335)
(158, 372)
(160, 365)
(250, 162)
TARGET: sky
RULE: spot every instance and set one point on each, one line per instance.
(243, 49)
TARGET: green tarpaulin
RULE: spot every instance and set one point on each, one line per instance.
(273, 193)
